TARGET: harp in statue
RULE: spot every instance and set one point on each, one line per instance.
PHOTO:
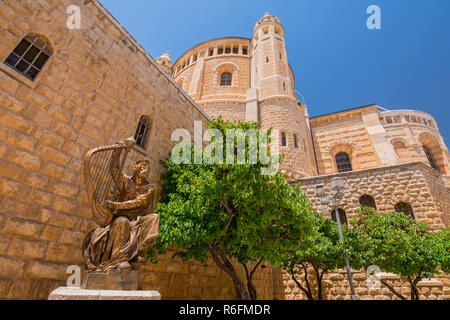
(100, 183)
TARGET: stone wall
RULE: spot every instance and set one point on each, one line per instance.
(414, 183)
(288, 117)
(228, 111)
(92, 92)
(343, 132)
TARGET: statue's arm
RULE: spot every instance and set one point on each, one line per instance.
(141, 201)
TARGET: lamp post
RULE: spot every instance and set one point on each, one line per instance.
(337, 190)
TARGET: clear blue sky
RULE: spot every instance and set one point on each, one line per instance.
(338, 63)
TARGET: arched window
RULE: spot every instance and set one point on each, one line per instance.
(283, 139)
(343, 162)
(142, 131)
(342, 216)
(30, 55)
(295, 142)
(367, 201)
(430, 157)
(405, 208)
(225, 79)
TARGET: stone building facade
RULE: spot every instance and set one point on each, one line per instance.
(96, 85)
(88, 87)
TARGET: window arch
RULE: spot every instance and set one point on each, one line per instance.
(367, 201)
(283, 139)
(430, 157)
(343, 162)
(30, 55)
(142, 131)
(226, 78)
(342, 216)
(406, 208)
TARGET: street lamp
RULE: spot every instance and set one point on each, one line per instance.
(337, 191)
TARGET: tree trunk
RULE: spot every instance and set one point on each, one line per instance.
(224, 263)
(387, 285)
(306, 291)
(414, 291)
(319, 277)
(249, 275)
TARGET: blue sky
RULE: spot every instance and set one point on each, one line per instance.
(337, 61)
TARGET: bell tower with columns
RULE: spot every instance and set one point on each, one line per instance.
(271, 99)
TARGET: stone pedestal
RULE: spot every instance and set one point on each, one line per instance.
(67, 293)
(112, 280)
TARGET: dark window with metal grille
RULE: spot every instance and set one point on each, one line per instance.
(405, 208)
(430, 157)
(142, 131)
(342, 216)
(295, 142)
(343, 162)
(367, 201)
(225, 79)
(283, 140)
(30, 55)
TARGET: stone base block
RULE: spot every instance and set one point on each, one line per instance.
(66, 293)
(112, 280)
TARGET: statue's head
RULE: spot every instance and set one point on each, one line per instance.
(141, 170)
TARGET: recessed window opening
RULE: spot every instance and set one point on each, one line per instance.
(343, 162)
(142, 131)
(30, 55)
(226, 79)
(283, 139)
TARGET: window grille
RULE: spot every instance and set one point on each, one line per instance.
(367, 201)
(225, 79)
(343, 162)
(142, 131)
(30, 56)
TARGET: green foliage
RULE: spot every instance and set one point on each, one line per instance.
(397, 244)
(212, 209)
(322, 251)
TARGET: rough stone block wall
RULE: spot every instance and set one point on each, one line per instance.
(414, 183)
(228, 111)
(334, 134)
(193, 281)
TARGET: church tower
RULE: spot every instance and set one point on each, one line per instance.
(271, 100)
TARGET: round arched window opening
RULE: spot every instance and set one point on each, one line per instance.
(367, 201)
(430, 157)
(406, 208)
(226, 79)
(342, 216)
(343, 162)
(30, 55)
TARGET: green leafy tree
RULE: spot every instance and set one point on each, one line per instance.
(398, 244)
(321, 252)
(230, 212)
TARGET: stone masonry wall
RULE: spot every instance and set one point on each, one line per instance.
(414, 183)
(92, 91)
